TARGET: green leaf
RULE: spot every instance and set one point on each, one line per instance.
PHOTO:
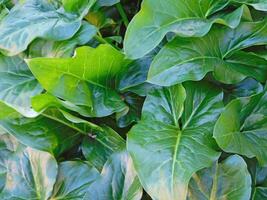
(78, 180)
(73, 179)
(242, 127)
(118, 180)
(173, 140)
(17, 85)
(77, 6)
(192, 58)
(90, 75)
(229, 179)
(257, 4)
(260, 193)
(134, 78)
(98, 146)
(36, 19)
(245, 88)
(101, 3)
(50, 131)
(29, 173)
(48, 48)
(185, 18)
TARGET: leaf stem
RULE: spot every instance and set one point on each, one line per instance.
(100, 39)
(122, 14)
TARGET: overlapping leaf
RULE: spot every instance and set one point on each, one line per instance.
(50, 131)
(87, 80)
(242, 127)
(192, 58)
(174, 138)
(48, 48)
(25, 173)
(227, 180)
(33, 19)
(17, 84)
(185, 18)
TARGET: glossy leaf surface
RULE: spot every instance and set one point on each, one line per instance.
(173, 140)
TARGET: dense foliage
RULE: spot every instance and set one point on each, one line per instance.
(130, 100)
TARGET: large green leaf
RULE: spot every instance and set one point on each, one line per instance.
(118, 180)
(17, 84)
(173, 140)
(223, 181)
(183, 17)
(28, 173)
(74, 178)
(90, 75)
(242, 127)
(191, 58)
(78, 180)
(51, 131)
(49, 48)
(33, 19)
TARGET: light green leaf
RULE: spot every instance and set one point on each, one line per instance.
(29, 173)
(90, 75)
(182, 17)
(192, 58)
(227, 180)
(36, 19)
(49, 48)
(17, 85)
(173, 140)
(77, 6)
(242, 127)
